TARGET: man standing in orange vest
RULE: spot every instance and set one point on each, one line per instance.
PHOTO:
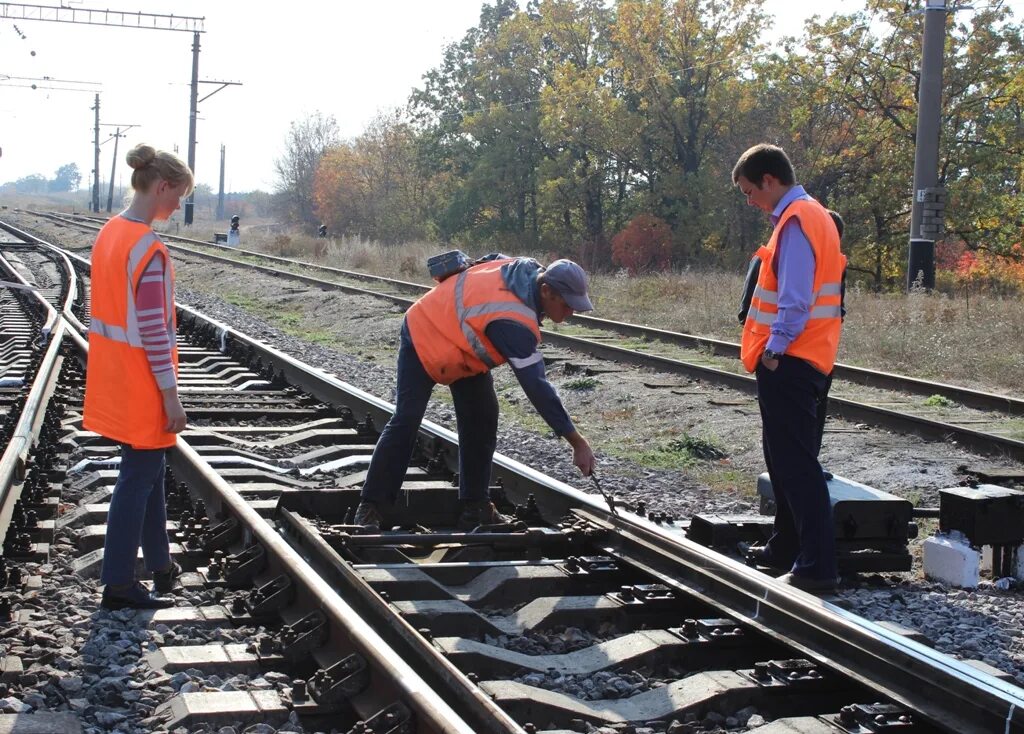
(455, 335)
(790, 340)
(131, 391)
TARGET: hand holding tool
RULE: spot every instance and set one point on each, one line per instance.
(607, 497)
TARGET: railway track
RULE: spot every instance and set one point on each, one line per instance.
(572, 617)
(985, 422)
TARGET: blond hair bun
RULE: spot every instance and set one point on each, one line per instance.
(141, 156)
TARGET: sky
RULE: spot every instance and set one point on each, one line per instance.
(348, 58)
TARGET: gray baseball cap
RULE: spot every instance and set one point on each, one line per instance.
(570, 281)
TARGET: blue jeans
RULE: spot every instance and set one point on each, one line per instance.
(476, 414)
(137, 516)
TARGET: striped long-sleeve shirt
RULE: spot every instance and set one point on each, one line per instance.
(154, 317)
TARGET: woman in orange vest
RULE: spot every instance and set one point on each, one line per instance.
(131, 393)
(472, 322)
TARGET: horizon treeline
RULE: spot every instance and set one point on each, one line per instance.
(607, 132)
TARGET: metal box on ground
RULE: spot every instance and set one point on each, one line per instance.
(986, 514)
(872, 527)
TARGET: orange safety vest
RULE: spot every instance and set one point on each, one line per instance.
(122, 400)
(447, 325)
(819, 341)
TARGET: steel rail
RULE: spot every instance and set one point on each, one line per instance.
(391, 678)
(852, 410)
(845, 408)
(952, 694)
(979, 399)
(15, 454)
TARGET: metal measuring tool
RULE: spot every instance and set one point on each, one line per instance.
(607, 497)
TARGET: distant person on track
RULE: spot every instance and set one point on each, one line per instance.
(131, 393)
(455, 335)
(234, 236)
(790, 339)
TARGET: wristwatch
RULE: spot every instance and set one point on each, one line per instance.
(773, 355)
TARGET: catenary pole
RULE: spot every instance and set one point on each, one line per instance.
(220, 192)
(929, 199)
(113, 169)
(96, 157)
(192, 112)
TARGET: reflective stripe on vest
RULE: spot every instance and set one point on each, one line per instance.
(818, 342)
(122, 400)
(482, 309)
(822, 311)
(448, 325)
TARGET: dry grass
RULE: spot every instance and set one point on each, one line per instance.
(973, 341)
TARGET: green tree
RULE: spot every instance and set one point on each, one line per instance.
(305, 144)
(66, 178)
(684, 65)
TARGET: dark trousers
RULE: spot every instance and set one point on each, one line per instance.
(476, 415)
(137, 516)
(792, 399)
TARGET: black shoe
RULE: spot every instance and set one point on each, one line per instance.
(368, 515)
(163, 581)
(483, 512)
(135, 596)
(760, 555)
(805, 583)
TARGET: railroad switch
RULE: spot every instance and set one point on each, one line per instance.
(341, 681)
(877, 718)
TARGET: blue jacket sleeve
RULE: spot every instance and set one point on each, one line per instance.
(518, 345)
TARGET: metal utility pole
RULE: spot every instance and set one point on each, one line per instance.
(192, 110)
(194, 105)
(220, 193)
(113, 165)
(929, 202)
(120, 19)
(113, 168)
(96, 161)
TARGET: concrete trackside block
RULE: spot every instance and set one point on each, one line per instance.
(222, 708)
(696, 694)
(951, 560)
(41, 722)
(211, 616)
(629, 651)
(88, 564)
(220, 659)
(991, 670)
(450, 618)
(797, 725)
(94, 536)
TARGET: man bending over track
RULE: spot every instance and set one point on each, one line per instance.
(454, 335)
